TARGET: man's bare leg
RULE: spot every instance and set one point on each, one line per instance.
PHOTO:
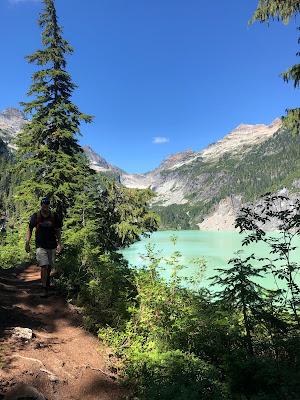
(48, 276)
(45, 277)
(44, 269)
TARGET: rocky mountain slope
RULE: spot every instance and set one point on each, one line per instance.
(238, 142)
(11, 122)
(208, 191)
(214, 183)
(205, 189)
(99, 164)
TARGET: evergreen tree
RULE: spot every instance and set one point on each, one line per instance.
(284, 214)
(283, 10)
(50, 158)
(110, 216)
(241, 292)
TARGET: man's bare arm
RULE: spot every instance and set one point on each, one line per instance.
(58, 237)
(27, 242)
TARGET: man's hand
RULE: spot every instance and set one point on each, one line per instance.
(27, 247)
(58, 248)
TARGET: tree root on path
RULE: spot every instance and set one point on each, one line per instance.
(111, 376)
(43, 369)
(100, 370)
(30, 359)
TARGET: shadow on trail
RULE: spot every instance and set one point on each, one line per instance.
(21, 303)
(97, 386)
(62, 360)
(87, 387)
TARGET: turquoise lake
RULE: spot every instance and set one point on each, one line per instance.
(216, 248)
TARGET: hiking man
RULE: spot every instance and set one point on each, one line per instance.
(47, 239)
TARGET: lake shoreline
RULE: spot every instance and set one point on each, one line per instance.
(215, 247)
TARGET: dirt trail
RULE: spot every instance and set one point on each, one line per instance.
(62, 360)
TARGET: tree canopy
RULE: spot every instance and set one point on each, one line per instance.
(283, 10)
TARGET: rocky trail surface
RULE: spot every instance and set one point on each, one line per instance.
(61, 361)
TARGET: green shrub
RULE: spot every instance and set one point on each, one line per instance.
(12, 249)
(174, 375)
(98, 281)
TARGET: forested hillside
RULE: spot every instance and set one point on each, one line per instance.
(5, 163)
(268, 167)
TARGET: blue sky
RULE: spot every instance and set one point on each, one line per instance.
(160, 76)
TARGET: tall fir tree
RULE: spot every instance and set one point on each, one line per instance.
(49, 156)
(240, 291)
(283, 10)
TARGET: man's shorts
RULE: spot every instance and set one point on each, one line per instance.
(45, 256)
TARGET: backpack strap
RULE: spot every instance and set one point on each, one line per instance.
(38, 220)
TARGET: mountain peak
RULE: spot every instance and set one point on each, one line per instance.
(95, 159)
(176, 159)
(276, 121)
(99, 163)
(12, 113)
(242, 139)
(12, 121)
(246, 128)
